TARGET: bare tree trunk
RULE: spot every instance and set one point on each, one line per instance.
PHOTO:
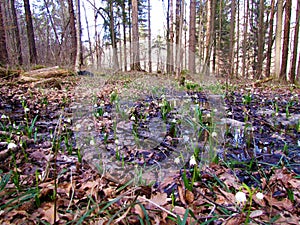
(179, 26)
(232, 38)
(170, 39)
(270, 39)
(238, 40)
(261, 40)
(286, 36)
(79, 57)
(124, 34)
(3, 47)
(135, 37)
(30, 33)
(278, 38)
(16, 32)
(292, 74)
(149, 38)
(88, 33)
(192, 36)
(72, 33)
(113, 36)
(245, 37)
(210, 29)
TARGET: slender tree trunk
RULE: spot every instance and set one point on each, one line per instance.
(286, 36)
(16, 32)
(261, 40)
(113, 36)
(149, 37)
(209, 30)
(3, 47)
(89, 36)
(179, 26)
(79, 57)
(171, 70)
(218, 45)
(30, 33)
(232, 38)
(135, 37)
(124, 34)
(292, 74)
(278, 38)
(238, 40)
(270, 39)
(192, 36)
(72, 33)
(245, 37)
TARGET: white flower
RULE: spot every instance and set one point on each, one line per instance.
(174, 120)
(240, 197)
(276, 98)
(132, 118)
(208, 115)
(214, 134)
(259, 196)
(194, 119)
(116, 141)
(193, 160)
(95, 105)
(215, 110)
(78, 126)
(92, 142)
(105, 114)
(26, 109)
(186, 138)
(229, 113)
(4, 116)
(298, 143)
(177, 160)
(11, 145)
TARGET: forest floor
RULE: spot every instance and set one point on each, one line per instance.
(140, 149)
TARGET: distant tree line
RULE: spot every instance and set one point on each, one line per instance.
(249, 38)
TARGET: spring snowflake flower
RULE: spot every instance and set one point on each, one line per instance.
(214, 134)
(11, 145)
(26, 109)
(92, 142)
(4, 116)
(208, 115)
(259, 196)
(177, 160)
(193, 160)
(240, 197)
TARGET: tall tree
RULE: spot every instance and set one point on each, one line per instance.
(113, 35)
(149, 38)
(261, 39)
(286, 37)
(192, 36)
(170, 38)
(30, 33)
(88, 34)
(178, 28)
(292, 74)
(232, 37)
(278, 38)
(72, 32)
(270, 39)
(16, 32)
(135, 37)
(124, 33)
(211, 6)
(245, 38)
(3, 47)
(79, 57)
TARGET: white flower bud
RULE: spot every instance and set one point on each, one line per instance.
(259, 196)
(240, 197)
